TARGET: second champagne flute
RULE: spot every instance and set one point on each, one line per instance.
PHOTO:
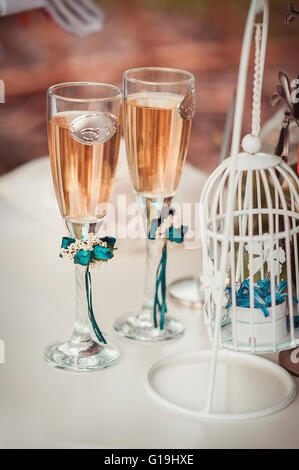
(158, 111)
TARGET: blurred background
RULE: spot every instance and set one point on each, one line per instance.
(202, 36)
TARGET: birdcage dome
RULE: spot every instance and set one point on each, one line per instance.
(259, 312)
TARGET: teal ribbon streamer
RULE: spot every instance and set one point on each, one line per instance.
(161, 284)
(92, 319)
(84, 257)
(175, 235)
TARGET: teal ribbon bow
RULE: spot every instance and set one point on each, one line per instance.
(175, 235)
(84, 258)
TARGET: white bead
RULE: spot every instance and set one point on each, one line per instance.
(251, 144)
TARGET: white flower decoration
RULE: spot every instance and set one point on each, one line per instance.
(212, 282)
(207, 278)
(218, 288)
(262, 250)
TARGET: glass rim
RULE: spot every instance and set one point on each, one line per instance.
(184, 81)
(52, 88)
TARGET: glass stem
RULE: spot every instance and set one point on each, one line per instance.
(152, 209)
(153, 258)
(81, 332)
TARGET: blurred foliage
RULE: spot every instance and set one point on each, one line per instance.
(278, 10)
(195, 4)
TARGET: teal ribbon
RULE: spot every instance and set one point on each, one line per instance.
(262, 295)
(66, 242)
(92, 319)
(84, 258)
(161, 284)
(175, 235)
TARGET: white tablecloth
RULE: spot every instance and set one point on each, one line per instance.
(44, 407)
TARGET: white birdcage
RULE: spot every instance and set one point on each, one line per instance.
(250, 231)
(250, 228)
(261, 275)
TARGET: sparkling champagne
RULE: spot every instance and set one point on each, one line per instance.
(83, 171)
(157, 140)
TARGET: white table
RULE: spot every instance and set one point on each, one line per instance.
(43, 407)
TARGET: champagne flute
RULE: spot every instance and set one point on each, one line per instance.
(158, 112)
(189, 291)
(84, 128)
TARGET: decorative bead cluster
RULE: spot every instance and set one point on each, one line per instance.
(170, 221)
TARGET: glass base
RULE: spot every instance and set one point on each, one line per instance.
(81, 357)
(187, 291)
(133, 327)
